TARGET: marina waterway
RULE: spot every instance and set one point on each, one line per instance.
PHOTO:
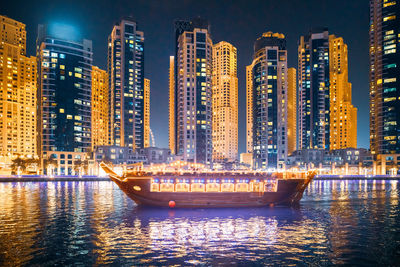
(355, 222)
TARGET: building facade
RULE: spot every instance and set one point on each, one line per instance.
(291, 110)
(269, 101)
(117, 155)
(171, 129)
(249, 109)
(18, 93)
(313, 90)
(193, 109)
(126, 70)
(146, 120)
(343, 115)
(155, 155)
(384, 76)
(100, 108)
(64, 93)
(224, 103)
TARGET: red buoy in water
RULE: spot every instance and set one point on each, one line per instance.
(171, 204)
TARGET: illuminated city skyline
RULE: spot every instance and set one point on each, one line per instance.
(160, 39)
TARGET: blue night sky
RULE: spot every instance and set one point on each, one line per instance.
(237, 22)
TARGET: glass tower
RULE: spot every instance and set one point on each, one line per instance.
(313, 90)
(193, 67)
(126, 70)
(384, 76)
(64, 92)
(268, 84)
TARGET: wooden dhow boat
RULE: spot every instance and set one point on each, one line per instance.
(201, 188)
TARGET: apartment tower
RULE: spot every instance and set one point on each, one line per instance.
(126, 70)
(100, 108)
(268, 84)
(193, 67)
(291, 110)
(171, 129)
(384, 76)
(313, 90)
(18, 93)
(146, 120)
(224, 103)
(343, 115)
(65, 92)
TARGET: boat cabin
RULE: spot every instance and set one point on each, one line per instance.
(213, 185)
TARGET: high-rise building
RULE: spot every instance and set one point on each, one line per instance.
(171, 129)
(249, 109)
(146, 116)
(313, 93)
(64, 93)
(18, 93)
(13, 32)
(291, 110)
(193, 110)
(269, 101)
(100, 108)
(126, 70)
(343, 115)
(384, 76)
(224, 103)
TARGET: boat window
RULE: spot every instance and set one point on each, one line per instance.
(271, 186)
(155, 187)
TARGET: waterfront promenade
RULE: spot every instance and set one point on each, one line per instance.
(41, 178)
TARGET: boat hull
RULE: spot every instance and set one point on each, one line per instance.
(289, 192)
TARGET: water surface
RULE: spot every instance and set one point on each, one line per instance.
(94, 223)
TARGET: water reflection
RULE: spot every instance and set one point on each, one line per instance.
(338, 222)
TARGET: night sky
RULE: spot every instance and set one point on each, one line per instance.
(237, 22)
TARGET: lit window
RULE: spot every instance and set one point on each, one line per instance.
(390, 80)
(389, 18)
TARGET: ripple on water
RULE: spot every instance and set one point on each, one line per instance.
(338, 222)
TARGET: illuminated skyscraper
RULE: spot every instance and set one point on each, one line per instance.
(193, 63)
(126, 70)
(269, 101)
(292, 110)
(146, 120)
(171, 129)
(384, 76)
(313, 93)
(18, 93)
(64, 80)
(343, 116)
(249, 108)
(100, 108)
(224, 103)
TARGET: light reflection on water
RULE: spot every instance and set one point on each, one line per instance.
(338, 222)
